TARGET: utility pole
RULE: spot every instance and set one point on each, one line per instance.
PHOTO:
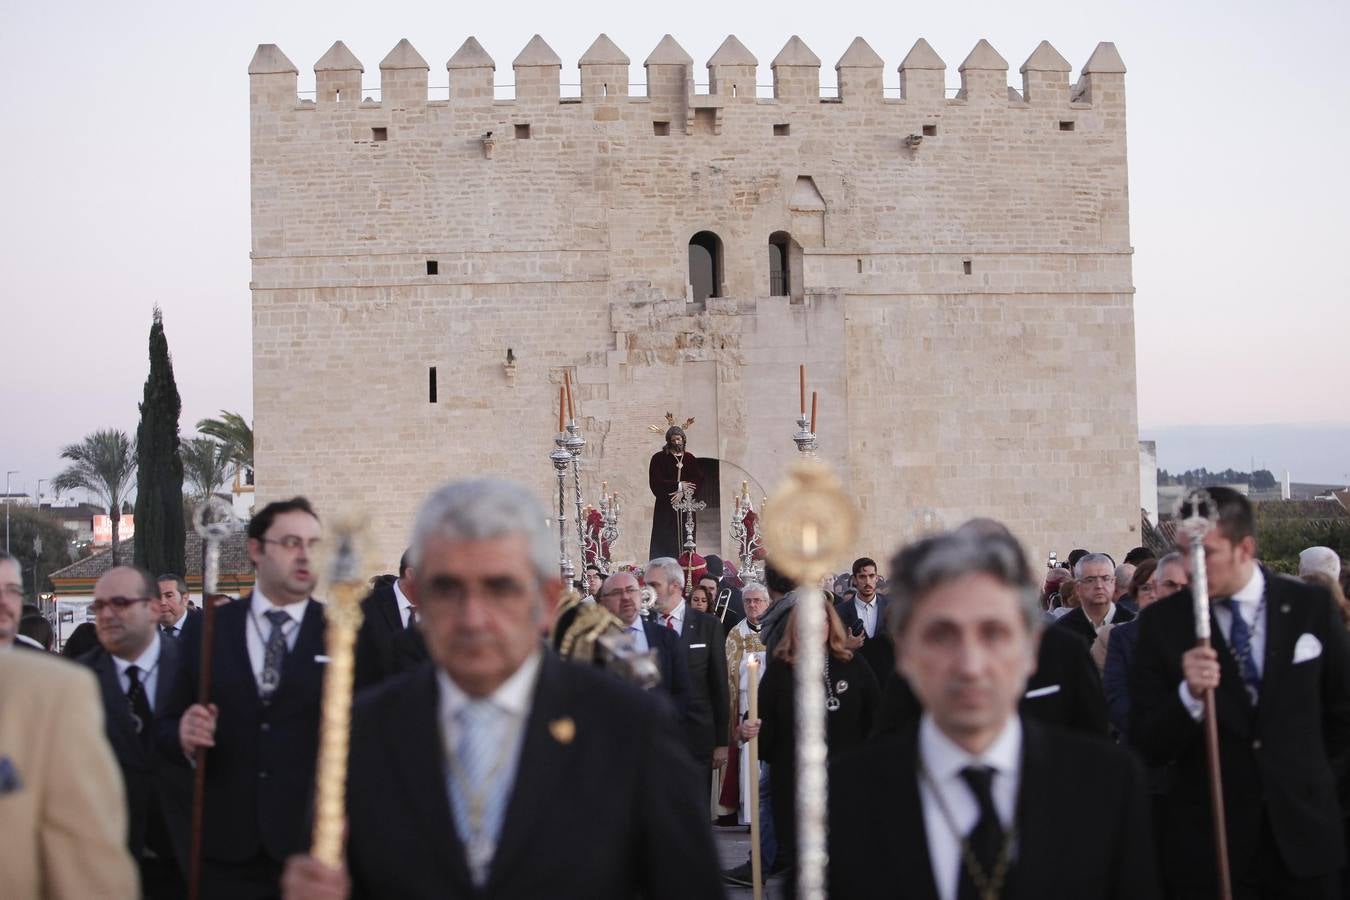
(7, 477)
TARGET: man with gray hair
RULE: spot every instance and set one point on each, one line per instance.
(966, 618)
(704, 644)
(1320, 559)
(497, 770)
(1095, 587)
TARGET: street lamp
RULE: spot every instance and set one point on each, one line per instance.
(7, 477)
(37, 501)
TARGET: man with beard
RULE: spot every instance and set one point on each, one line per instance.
(262, 725)
(671, 468)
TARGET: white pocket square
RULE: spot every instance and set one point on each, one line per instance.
(1043, 691)
(697, 646)
(1306, 647)
(320, 659)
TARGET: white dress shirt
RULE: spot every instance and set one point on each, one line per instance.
(867, 612)
(148, 663)
(1108, 619)
(259, 629)
(677, 614)
(405, 607)
(943, 759)
(177, 627)
(1247, 601)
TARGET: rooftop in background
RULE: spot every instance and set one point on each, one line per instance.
(236, 570)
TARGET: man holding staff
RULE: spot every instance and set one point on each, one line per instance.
(497, 770)
(1280, 671)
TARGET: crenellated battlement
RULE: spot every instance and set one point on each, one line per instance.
(670, 77)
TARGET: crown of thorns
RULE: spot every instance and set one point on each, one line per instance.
(670, 423)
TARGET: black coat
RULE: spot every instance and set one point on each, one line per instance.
(662, 477)
(1079, 835)
(260, 774)
(1280, 761)
(674, 667)
(159, 795)
(380, 622)
(607, 809)
(878, 650)
(1065, 690)
(1076, 620)
(705, 645)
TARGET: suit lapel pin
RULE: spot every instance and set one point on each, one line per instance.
(563, 730)
(1284, 607)
(841, 687)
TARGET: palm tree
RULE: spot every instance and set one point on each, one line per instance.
(206, 465)
(104, 464)
(235, 432)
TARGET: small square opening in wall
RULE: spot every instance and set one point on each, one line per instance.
(930, 131)
(860, 267)
(782, 130)
(379, 134)
(661, 129)
(965, 267)
(433, 267)
(522, 132)
(431, 385)
(1066, 125)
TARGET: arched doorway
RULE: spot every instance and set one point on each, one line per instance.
(705, 266)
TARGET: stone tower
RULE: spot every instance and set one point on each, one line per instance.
(954, 270)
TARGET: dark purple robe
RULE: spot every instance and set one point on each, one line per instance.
(667, 538)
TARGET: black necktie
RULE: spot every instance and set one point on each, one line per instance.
(412, 619)
(139, 704)
(986, 838)
(274, 654)
(169, 630)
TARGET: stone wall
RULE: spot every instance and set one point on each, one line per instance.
(962, 294)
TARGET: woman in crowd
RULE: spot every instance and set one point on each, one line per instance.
(698, 599)
(850, 695)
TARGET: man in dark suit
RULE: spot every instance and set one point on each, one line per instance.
(621, 595)
(498, 770)
(981, 797)
(1169, 576)
(705, 645)
(1095, 587)
(389, 642)
(735, 610)
(1280, 670)
(174, 612)
(262, 725)
(864, 618)
(1065, 691)
(136, 665)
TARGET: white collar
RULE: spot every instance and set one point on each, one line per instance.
(260, 606)
(512, 696)
(401, 598)
(868, 604)
(945, 759)
(677, 613)
(1254, 589)
(178, 625)
(148, 659)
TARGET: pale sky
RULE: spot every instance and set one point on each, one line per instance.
(126, 180)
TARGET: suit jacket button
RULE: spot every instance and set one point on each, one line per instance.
(262, 774)
(266, 726)
(1256, 744)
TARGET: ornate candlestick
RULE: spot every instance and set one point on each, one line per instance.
(685, 504)
(574, 443)
(805, 438)
(561, 460)
(343, 615)
(812, 526)
(609, 530)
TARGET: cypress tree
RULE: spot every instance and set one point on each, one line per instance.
(160, 530)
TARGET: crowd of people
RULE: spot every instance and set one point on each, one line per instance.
(991, 732)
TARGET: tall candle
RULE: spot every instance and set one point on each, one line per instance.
(567, 379)
(813, 412)
(561, 404)
(801, 383)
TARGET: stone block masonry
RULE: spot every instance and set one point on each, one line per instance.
(955, 271)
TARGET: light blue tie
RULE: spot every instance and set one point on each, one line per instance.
(479, 793)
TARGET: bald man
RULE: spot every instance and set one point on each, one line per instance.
(621, 595)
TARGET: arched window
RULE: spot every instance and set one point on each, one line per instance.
(705, 265)
(780, 274)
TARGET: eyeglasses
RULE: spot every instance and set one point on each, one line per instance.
(116, 603)
(633, 591)
(1097, 579)
(292, 542)
(1171, 586)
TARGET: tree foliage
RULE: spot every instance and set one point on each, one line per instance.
(27, 523)
(235, 432)
(160, 535)
(1280, 539)
(1261, 479)
(206, 465)
(104, 464)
